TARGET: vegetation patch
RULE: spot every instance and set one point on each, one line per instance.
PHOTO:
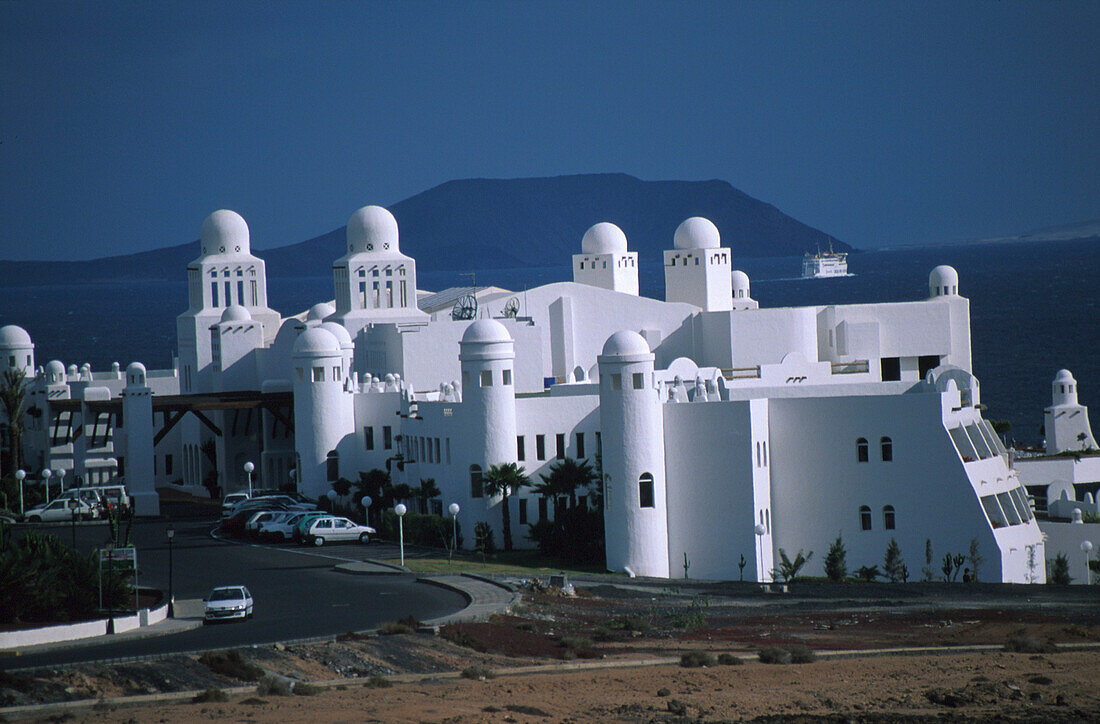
(527, 710)
(695, 659)
(210, 696)
(230, 663)
(1028, 644)
(774, 655)
(729, 660)
(478, 673)
(304, 688)
(273, 686)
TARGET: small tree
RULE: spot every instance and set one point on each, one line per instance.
(893, 566)
(741, 568)
(867, 573)
(974, 556)
(13, 393)
(788, 569)
(1059, 571)
(836, 566)
(427, 490)
(504, 479)
(929, 574)
(948, 567)
(483, 539)
(959, 559)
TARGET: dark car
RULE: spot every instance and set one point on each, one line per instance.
(234, 524)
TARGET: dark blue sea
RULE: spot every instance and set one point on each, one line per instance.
(1033, 306)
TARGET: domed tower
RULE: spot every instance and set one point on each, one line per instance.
(375, 282)
(1066, 422)
(16, 350)
(233, 341)
(604, 260)
(225, 274)
(137, 432)
(487, 358)
(323, 411)
(632, 423)
(698, 267)
(943, 281)
(741, 297)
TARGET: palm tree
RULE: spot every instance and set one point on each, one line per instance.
(505, 479)
(13, 394)
(566, 478)
(427, 490)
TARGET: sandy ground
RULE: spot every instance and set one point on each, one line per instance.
(976, 687)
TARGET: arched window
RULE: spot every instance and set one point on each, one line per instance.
(864, 517)
(477, 487)
(332, 463)
(888, 517)
(645, 491)
(862, 454)
(887, 449)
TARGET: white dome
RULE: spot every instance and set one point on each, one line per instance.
(624, 344)
(236, 313)
(135, 368)
(740, 280)
(697, 233)
(12, 336)
(338, 331)
(1064, 376)
(604, 238)
(372, 229)
(224, 232)
(316, 341)
(55, 371)
(320, 311)
(941, 278)
(486, 331)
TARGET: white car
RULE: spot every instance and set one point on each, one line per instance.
(281, 527)
(61, 510)
(231, 500)
(331, 528)
(228, 602)
(255, 523)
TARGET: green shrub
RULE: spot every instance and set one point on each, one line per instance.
(210, 696)
(230, 663)
(802, 654)
(575, 535)
(478, 672)
(630, 622)
(273, 686)
(695, 659)
(1027, 644)
(304, 688)
(729, 660)
(378, 682)
(576, 642)
(483, 538)
(867, 573)
(774, 655)
(836, 565)
(1059, 571)
(425, 530)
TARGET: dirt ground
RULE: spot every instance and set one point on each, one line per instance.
(532, 666)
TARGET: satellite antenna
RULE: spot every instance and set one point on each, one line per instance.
(511, 308)
(465, 308)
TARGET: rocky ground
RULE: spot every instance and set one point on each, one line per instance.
(594, 657)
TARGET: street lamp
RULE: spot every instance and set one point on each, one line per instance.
(46, 475)
(400, 509)
(248, 468)
(760, 531)
(453, 508)
(20, 474)
(1086, 546)
(366, 501)
(171, 533)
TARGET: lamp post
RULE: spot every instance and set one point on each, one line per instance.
(20, 474)
(110, 590)
(366, 501)
(453, 508)
(331, 495)
(248, 468)
(400, 509)
(171, 533)
(60, 481)
(1086, 546)
(46, 475)
(760, 531)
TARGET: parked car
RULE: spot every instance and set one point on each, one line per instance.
(282, 528)
(60, 510)
(234, 524)
(305, 521)
(231, 500)
(252, 525)
(331, 528)
(228, 602)
(88, 494)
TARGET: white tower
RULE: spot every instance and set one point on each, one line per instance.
(487, 357)
(632, 422)
(1066, 422)
(137, 427)
(698, 267)
(16, 350)
(943, 281)
(604, 260)
(375, 282)
(323, 411)
(741, 297)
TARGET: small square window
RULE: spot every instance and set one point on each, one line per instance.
(639, 380)
(507, 375)
(318, 374)
(616, 382)
(486, 378)
(540, 447)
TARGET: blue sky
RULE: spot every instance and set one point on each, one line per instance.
(122, 125)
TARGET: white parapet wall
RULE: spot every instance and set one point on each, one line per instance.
(83, 630)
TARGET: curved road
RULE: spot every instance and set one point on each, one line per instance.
(298, 593)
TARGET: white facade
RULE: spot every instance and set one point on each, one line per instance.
(719, 429)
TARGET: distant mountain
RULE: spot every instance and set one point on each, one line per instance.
(1064, 232)
(504, 223)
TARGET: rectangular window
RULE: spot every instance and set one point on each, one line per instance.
(507, 376)
(645, 491)
(336, 374)
(599, 445)
(540, 447)
(639, 380)
(542, 508)
(167, 464)
(240, 292)
(213, 294)
(486, 378)
(559, 443)
(477, 485)
(404, 294)
(374, 293)
(368, 437)
(616, 382)
(318, 374)
(252, 283)
(387, 437)
(523, 511)
(580, 444)
(448, 451)
(765, 453)
(891, 368)
(521, 453)
(927, 362)
(227, 292)
(389, 294)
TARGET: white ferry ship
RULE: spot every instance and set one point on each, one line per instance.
(824, 264)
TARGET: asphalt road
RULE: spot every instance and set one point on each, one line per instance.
(298, 594)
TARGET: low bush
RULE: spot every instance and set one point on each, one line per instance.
(304, 688)
(210, 696)
(774, 655)
(232, 664)
(729, 660)
(695, 659)
(396, 627)
(478, 673)
(378, 682)
(1028, 644)
(273, 686)
(802, 655)
(630, 622)
(576, 642)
